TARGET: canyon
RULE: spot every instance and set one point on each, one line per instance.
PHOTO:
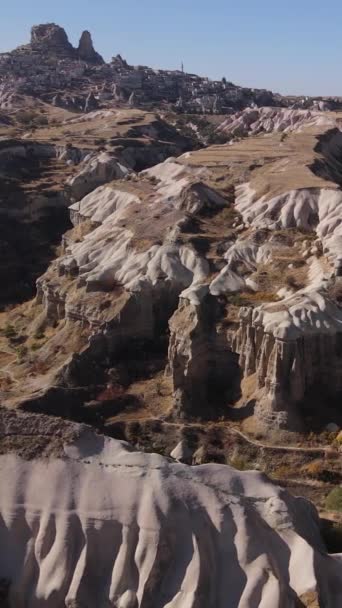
(170, 338)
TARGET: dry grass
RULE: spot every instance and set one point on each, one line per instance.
(83, 131)
(272, 166)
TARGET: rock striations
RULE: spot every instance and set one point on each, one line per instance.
(102, 524)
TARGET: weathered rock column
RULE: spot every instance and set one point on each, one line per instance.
(204, 370)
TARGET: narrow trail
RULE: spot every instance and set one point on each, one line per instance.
(258, 444)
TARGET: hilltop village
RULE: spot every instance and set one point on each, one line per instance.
(49, 66)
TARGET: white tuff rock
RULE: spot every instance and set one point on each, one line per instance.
(107, 525)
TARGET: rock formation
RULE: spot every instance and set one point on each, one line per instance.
(91, 103)
(252, 121)
(294, 348)
(86, 51)
(193, 308)
(205, 373)
(150, 532)
(51, 38)
(256, 273)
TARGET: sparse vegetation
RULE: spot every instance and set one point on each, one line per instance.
(239, 462)
(22, 352)
(252, 298)
(335, 292)
(293, 282)
(39, 335)
(31, 119)
(334, 500)
(35, 346)
(9, 331)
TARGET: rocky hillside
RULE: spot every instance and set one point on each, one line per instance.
(43, 170)
(235, 250)
(51, 69)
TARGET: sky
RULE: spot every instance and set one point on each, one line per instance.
(288, 46)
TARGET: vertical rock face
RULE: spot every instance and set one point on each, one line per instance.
(295, 349)
(86, 50)
(52, 37)
(204, 370)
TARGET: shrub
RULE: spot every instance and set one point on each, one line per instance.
(41, 121)
(292, 282)
(240, 463)
(335, 292)
(284, 471)
(26, 117)
(9, 331)
(333, 501)
(35, 346)
(22, 352)
(313, 469)
(39, 335)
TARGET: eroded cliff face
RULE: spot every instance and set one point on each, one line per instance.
(151, 530)
(205, 372)
(245, 275)
(295, 351)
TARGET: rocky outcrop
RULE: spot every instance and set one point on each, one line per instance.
(143, 241)
(86, 50)
(204, 370)
(91, 103)
(295, 350)
(96, 170)
(51, 38)
(152, 532)
(253, 121)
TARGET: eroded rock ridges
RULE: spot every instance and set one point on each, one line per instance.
(147, 517)
(237, 247)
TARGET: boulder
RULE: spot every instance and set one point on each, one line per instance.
(182, 452)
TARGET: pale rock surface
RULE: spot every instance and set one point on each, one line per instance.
(182, 452)
(96, 170)
(253, 121)
(243, 253)
(106, 525)
(292, 346)
(106, 256)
